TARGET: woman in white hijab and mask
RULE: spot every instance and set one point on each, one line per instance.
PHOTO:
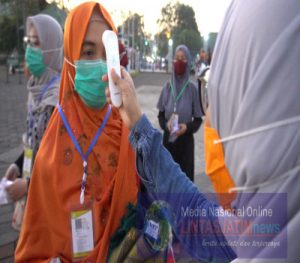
(43, 58)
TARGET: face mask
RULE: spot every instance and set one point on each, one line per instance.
(88, 81)
(180, 67)
(216, 169)
(34, 61)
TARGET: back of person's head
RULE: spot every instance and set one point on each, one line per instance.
(254, 83)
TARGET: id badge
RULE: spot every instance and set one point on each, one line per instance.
(174, 123)
(27, 164)
(82, 233)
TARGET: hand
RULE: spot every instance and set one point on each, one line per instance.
(17, 189)
(12, 172)
(169, 126)
(182, 129)
(130, 110)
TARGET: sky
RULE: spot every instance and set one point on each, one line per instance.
(209, 13)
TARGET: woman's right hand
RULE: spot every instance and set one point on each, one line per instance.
(12, 172)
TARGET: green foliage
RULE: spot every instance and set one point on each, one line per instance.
(13, 15)
(178, 20)
(188, 37)
(168, 18)
(162, 43)
(185, 17)
(8, 34)
(133, 28)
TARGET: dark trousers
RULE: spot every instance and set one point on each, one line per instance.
(182, 151)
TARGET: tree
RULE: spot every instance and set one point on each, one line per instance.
(178, 21)
(13, 15)
(8, 33)
(162, 43)
(168, 17)
(133, 29)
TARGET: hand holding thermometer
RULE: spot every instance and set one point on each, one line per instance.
(110, 42)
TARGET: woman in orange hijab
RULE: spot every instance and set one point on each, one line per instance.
(84, 174)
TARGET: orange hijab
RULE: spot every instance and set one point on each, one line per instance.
(57, 173)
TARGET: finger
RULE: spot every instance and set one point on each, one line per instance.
(105, 78)
(10, 193)
(107, 93)
(9, 176)
(13, 197)
(127, 77)
(115, 77)
(124, 74)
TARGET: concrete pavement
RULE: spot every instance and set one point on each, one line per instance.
(13, 97)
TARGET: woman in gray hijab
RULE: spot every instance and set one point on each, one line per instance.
(254, 98)
(43, 57)
(179, 112)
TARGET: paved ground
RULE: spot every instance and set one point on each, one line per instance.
(12, 124)
(13, 96)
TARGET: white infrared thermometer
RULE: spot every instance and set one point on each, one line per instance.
(110, 42)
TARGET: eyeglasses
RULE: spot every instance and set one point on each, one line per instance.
(32, 41)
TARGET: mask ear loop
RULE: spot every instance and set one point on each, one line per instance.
(259, 129)
(69, 62)
(52, 50)
(254, 131)
(266, 183)
(69, 75)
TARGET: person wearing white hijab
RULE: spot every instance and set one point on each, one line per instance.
(43, 57)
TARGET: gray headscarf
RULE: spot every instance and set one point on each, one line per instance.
(255, 82)
(188, 105)
(51, 40)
